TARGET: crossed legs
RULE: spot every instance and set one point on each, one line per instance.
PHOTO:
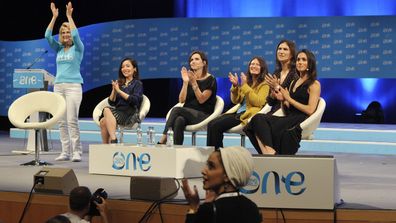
(108, 125)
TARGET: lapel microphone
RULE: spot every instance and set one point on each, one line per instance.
(35, 60)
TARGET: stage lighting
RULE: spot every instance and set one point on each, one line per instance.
(55, 180)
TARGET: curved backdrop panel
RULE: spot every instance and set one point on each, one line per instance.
(345, 47)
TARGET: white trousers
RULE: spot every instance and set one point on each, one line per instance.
(69, 129)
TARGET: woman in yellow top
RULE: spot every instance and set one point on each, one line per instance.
(251, 93)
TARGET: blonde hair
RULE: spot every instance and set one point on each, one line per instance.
(64, 26)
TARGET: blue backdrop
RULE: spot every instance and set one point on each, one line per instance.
(276, 8)
(360, 47)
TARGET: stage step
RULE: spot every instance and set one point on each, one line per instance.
(329, 137)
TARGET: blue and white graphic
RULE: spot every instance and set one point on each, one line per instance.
(346, 47)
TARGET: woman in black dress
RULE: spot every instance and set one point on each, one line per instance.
(198, 94)
(266, 131)
(285, 71)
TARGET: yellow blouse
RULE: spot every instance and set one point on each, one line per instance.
(255, 98)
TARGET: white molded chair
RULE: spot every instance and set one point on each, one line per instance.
(202, 125)
(31, 103)
(310, 124)
(239, 128)
(143, 110)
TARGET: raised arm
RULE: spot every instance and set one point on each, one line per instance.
(183, 91)
(55, 14)
(69, 12)
(236, 96)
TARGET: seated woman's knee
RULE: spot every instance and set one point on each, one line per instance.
(176, 111)
(180, 122)
(102, 123)
(106, 111)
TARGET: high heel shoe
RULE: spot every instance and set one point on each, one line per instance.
(114, 141)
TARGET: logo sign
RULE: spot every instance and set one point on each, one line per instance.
(131, 161)
(291, 183)
(28, 80)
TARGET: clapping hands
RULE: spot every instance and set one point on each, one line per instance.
(281, 93)
(272, 81)
(243, 78)
(115, 85)
(234, 79)
(188, 76)
(184, 74)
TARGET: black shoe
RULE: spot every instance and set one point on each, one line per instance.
(114, 141)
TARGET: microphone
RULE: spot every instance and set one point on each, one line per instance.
(35, 60)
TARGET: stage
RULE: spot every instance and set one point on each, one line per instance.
(367, 180)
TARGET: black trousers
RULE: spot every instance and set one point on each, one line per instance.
(270, 129)
(259, 126)
(218, 126)
(179, 118)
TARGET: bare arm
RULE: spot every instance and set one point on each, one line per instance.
(201, 96)
(183, 91)
(113, 93)
(314, 95)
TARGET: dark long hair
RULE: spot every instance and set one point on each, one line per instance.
(203, 58)
(263, 71)
(292, 64)
(121, 77)
(311, 72)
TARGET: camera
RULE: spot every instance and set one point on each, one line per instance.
(96, 197)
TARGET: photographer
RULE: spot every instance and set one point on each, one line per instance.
(80, 201)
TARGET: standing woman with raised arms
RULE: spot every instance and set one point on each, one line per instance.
(68, 82)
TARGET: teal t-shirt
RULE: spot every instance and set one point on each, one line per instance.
(67, 62)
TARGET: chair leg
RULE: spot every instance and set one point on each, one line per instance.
(121, 134)
(243, 138)
(36, 161)
(193, 138)
(38, 140)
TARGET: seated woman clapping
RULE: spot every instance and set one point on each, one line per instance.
(251, 93)
(198, 94)
(125, 97)
(267, 132)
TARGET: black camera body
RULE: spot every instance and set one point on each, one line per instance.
(96, 196)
